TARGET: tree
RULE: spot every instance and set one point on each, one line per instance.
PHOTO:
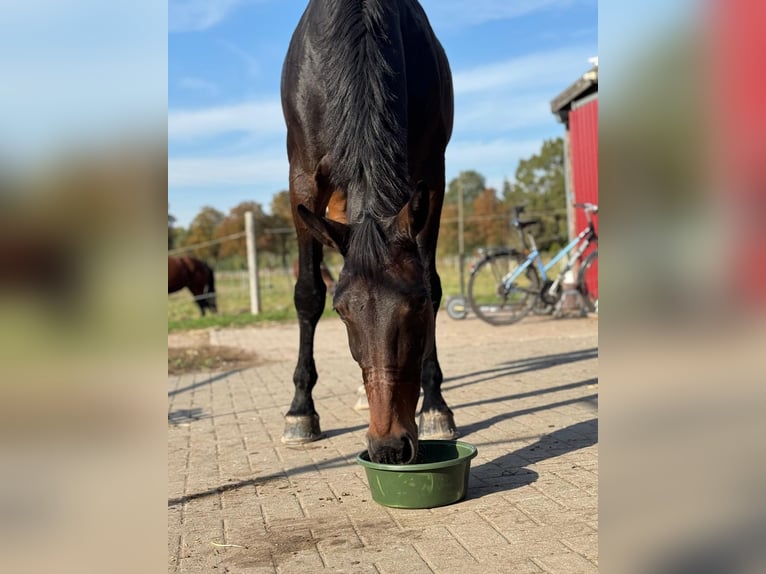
(203, 229)
(489, 226)
(180, 237)
(234, 223)
(280, 206)
(448, 244)
(171, 233)
(472, 182)
(282, 218)
(272, 232)
(539, 185)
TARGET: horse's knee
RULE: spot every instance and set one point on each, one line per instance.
(309, 300)
(436, 290)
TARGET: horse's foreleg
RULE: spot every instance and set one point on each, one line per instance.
(436, 418)
(302, 420)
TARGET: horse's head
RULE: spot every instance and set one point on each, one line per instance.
(382, 297)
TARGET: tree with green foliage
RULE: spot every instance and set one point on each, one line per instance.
(180, 237)
(489, 225)
(272, 235)
(448, 244)
(472, 184)
(171, 232)
(539, 186)
(233, 223)
(282, 218)
(280, 206)
(203, 229)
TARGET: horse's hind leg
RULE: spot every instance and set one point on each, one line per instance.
(302, 420)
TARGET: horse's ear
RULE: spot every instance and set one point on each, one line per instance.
(326, 231)
(412, 217)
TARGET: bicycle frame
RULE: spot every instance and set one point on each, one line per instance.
(584, 239)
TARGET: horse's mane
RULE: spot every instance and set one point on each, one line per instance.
(368, 248)
(366, 116)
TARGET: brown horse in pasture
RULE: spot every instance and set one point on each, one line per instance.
(195, 275)
(367, 99)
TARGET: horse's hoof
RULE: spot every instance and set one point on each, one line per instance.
(361, 402)
(437, 425)
(301, 429)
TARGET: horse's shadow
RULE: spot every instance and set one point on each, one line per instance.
(504, 473)
(519, 366)
(508, 471)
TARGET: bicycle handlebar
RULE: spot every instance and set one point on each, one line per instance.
(588, 207)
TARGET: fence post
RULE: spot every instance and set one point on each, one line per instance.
(252, 263)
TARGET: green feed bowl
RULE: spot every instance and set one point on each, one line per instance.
(437, 478)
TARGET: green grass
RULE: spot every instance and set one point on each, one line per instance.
(233, 297)
(276, 291)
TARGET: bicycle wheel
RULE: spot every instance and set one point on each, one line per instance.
(587, 282)
(456, 308)
(489, 297)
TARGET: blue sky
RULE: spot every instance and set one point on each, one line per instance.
(226, 136)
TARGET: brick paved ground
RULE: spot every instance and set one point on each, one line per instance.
(241, 501)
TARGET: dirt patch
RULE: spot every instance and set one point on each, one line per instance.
(195, 338)
(206, 358)
(191, 352)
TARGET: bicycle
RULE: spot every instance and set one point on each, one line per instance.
(505, 285)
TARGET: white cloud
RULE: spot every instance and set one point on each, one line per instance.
(252, 65)
(461, 13)
(500, 113)
(263, 118)
(267, 169)
(490, 151)
(194, 15)
(495, 159)
(496, 99)
(553, 68)
(199, 85)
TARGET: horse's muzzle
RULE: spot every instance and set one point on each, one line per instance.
(394, 450)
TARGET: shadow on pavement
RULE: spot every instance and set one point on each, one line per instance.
(204, 382)
(520, 366)
(567, 387)
(181, 416)
(508, 471)
(334, 462)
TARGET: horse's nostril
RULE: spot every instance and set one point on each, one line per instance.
(408, 450)
(393, 450)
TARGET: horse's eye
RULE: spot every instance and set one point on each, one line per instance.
(340, 313)
(420, 303)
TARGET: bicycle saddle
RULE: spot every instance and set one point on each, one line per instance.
(526, 223)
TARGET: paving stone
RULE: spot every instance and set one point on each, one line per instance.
(241, 501)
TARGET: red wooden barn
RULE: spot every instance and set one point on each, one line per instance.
(577, 108)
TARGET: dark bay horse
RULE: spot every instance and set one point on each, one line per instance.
(367, 98)
(197, 276)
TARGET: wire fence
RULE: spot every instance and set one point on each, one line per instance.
(232, 286)
(198, 246)
(276, 269)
